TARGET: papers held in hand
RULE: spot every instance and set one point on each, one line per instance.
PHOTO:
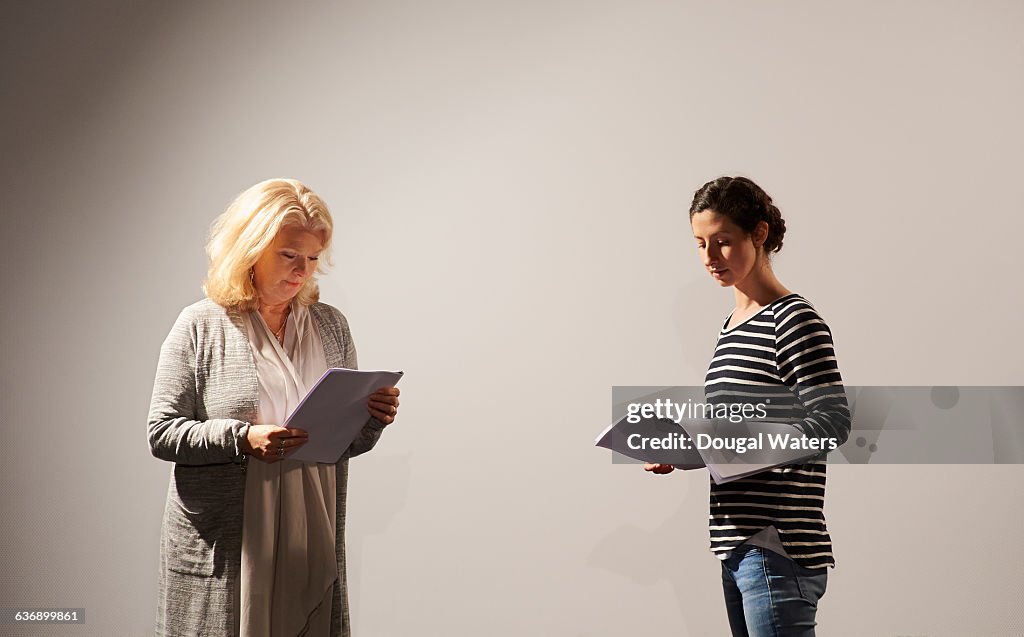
(730, 450)
(334, 411)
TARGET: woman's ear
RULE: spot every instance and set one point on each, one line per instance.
(760, 234)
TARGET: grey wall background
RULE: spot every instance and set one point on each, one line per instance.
(509, 182)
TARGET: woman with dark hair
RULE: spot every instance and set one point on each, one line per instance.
(768, 529)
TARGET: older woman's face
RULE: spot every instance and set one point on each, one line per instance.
(285, 266)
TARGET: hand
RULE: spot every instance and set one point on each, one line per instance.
(383, 404)
(659, 468)
(271, 443)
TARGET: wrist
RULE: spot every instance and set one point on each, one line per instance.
(243, 439)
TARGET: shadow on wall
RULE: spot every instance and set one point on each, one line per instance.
(390, 497)
(63, 61)
(673, 550)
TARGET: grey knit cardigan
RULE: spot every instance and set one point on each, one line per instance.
(204, 394)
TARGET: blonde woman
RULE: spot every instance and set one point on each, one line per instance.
(252, 542)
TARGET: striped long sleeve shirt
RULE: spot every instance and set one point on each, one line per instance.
(784, 352)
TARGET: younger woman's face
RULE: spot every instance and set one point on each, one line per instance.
(725, 249)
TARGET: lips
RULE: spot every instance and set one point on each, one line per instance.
(718, 273)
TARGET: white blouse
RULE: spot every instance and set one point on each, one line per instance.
(289, 564)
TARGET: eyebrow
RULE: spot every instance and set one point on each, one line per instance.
(720, 233)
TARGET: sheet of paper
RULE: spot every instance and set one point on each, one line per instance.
(725, 464)
(617, 438)
(334, 411)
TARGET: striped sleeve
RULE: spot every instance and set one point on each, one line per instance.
(806, 362)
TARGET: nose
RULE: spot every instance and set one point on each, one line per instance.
(710, 256)
(302, 267)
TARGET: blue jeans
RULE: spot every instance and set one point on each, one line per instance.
(768, 595)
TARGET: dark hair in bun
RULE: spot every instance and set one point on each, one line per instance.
(744, 203)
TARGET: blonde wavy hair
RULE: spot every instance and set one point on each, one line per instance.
(248, 227)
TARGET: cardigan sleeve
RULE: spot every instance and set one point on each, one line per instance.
(806, 361)
(368, 436)
(176, 432)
